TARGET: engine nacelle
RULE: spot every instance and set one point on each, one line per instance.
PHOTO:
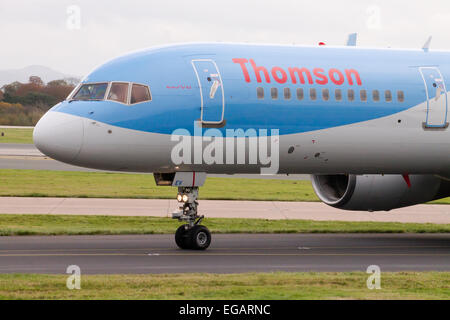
(378, 192)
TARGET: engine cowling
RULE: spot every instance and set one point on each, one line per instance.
(378, 192)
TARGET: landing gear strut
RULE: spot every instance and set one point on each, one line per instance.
(191, 235)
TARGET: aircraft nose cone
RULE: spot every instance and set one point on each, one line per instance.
(59, 135)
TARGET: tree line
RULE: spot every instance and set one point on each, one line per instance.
(23, 104)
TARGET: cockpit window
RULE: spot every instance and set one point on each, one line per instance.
(118, 92)
(123, 92)
(140, 93)
(91, 91)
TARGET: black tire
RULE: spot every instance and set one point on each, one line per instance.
(182, 237)
(200, 238)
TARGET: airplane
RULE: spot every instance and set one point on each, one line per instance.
(369, 124)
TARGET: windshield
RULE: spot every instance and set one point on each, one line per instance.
(92, 91)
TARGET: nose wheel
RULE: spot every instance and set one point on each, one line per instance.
(195, 238)
(191, 235)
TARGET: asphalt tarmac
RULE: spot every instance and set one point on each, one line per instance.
(229, 253)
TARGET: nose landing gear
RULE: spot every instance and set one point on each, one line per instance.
(191, 235)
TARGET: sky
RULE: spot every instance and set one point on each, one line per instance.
(74, 36)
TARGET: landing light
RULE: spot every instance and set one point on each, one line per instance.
(182, 197)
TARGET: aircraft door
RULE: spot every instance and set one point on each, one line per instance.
(211, 91)
(436, 95)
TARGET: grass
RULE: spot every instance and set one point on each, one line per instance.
(41, 183)
(14, 135)
(280, 285)
(94, 225)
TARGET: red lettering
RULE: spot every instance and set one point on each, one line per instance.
(293, 71)
(349, 72)
(242, 63)
(340, 75)
(275, 71)
(318, 72)
(299, 74)
(258, 70)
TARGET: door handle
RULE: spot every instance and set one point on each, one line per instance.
(214, 88)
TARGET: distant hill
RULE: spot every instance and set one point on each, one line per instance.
(45, 73)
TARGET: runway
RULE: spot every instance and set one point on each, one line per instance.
(228, 253)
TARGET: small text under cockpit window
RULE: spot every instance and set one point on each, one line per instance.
(91, 91)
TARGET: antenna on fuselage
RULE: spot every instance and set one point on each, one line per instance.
(426, 46)
(351, 40)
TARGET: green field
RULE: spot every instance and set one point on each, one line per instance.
(13, 135)
(41, 183)
(76, 225)
(346, 285)
(37, 183)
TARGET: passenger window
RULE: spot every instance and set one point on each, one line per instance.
(363, 95)
(338, 94)
(299, 93)
(140, 93)
(312, 94)
(351, 95)
(400, 96)
(287, 93)
(376, 95)
(260, 92)
(388, 95)
(325, 94)
(274, 93)
(118, 92)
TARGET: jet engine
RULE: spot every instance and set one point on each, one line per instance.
(378, 192)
